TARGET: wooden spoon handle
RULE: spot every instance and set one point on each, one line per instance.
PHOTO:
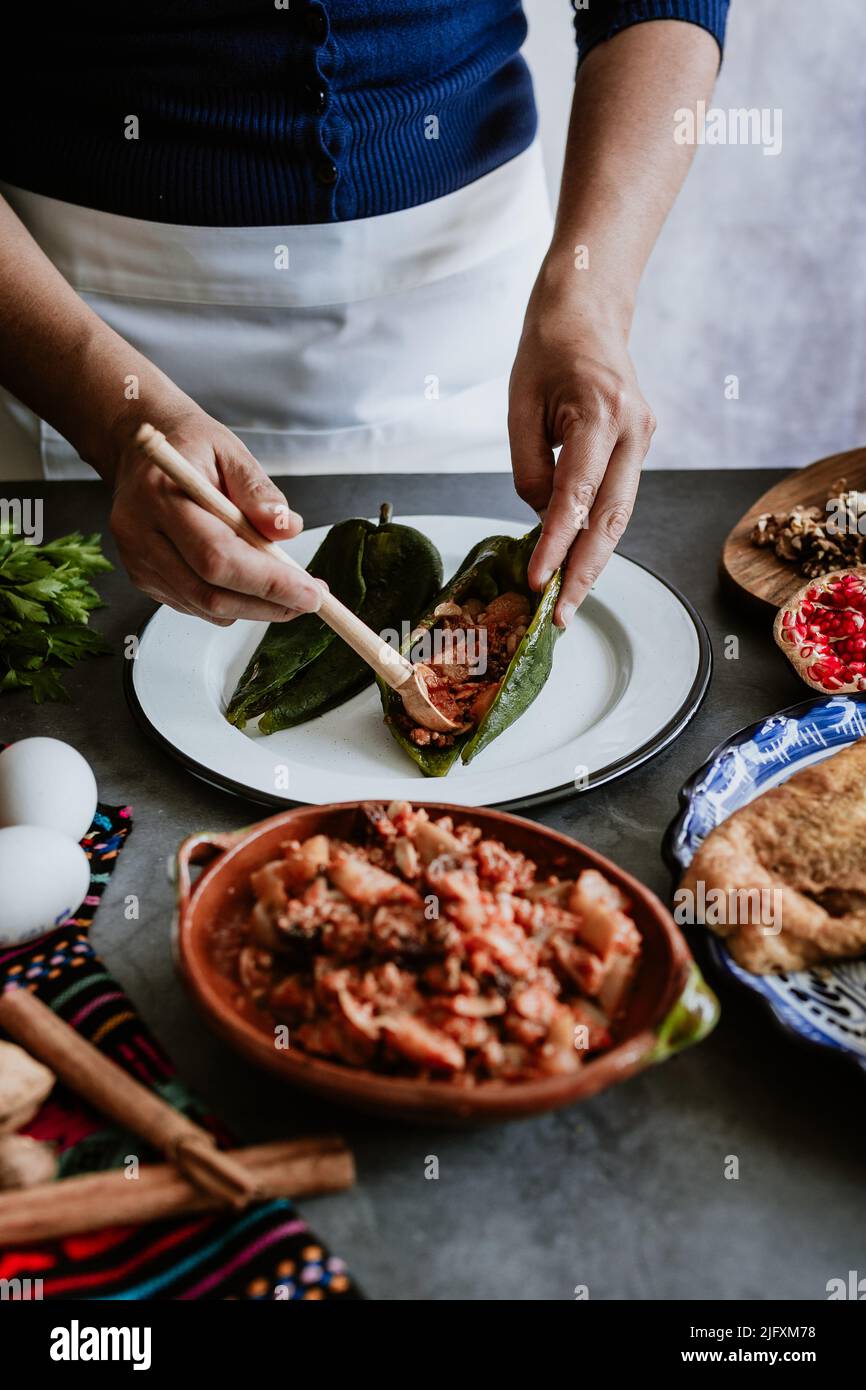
(385, 660)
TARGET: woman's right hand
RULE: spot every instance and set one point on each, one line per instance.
(181, 555)
(67, 365)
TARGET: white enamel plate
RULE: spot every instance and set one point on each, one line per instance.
(627, 676)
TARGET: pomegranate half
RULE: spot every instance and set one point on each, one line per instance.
(822, 631)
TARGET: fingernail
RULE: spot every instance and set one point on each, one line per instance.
(283, 515)
(567, 612)
(545, 578)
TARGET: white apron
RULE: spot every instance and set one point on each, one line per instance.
(378, 345)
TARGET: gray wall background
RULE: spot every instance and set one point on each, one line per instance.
(761, 269)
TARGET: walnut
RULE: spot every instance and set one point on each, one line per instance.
(766, 530)
(818, 540)
(786, 547)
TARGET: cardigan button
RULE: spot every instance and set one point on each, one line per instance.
(316, 24)
(326, 172)
(317, 98)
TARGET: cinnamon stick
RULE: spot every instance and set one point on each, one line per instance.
(74, 1206)
(114, 1093)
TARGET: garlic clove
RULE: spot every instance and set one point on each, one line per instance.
(24, 1085)
(25, 1162)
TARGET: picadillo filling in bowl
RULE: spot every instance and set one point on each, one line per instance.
(429, 950)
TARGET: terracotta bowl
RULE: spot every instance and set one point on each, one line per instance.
(670, 1005)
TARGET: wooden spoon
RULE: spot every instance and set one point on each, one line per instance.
(395, 669)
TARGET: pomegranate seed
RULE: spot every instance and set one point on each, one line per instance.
(823, 632)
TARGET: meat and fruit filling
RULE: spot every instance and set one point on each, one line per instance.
(471, 646)
(426, 949)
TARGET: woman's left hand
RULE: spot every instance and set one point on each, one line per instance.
(573, 384)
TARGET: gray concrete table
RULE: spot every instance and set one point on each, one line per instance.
(626, 1193)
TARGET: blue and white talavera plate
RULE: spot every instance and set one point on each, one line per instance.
(826, 1005)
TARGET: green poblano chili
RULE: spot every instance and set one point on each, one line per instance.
(287, 648)
(494, 566)
(385, 573)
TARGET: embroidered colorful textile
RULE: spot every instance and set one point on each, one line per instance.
(266, 1252)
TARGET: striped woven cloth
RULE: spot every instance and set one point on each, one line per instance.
(265, 1253)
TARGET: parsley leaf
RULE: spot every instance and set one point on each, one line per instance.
(46, 600)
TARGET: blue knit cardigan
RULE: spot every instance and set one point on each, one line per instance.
(265, 112)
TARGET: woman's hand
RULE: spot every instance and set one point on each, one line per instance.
(63, 361)
(179, 554)
(573, 385)
(573, 382)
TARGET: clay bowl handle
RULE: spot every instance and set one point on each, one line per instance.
(199, 848)
(693, 1015)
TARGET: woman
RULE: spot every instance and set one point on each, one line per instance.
(300, 237)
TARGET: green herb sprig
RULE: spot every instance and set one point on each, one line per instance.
(45, 604)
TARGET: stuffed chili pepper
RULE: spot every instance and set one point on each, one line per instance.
(488, 640)
(385, 573)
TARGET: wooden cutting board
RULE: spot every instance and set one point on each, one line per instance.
(757, 573)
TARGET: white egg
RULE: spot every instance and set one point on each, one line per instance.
(44, 878)
(46, 782)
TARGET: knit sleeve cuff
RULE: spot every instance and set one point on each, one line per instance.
(601, 19)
